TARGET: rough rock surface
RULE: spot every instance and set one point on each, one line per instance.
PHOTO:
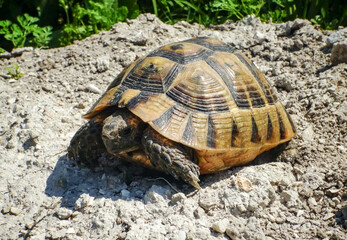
(298, 193)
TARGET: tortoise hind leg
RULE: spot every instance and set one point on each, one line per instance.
(86, 146)
(171, 157)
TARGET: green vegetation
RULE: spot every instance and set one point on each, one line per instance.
(59, 23)
(25, 33)
(92, 16)
(13, 72)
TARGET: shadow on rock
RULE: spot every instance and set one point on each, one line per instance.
(123, 181)
(70, 181)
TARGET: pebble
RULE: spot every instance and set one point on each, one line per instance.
(337, 36)
(260, 37)
(92, 88)
(328, 216)
(244, 183)
(102, 63)
(308, 134)
(298, 44)
(284, 82)
(84, 201)
(70, 230)
(15, 211)
(80, 106)
(339, 53)
(63, 213)
(220, 226)
(156, 194)
(181, 235)
(178, 197)
(125, 194)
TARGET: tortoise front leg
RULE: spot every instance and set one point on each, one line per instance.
(171, 157)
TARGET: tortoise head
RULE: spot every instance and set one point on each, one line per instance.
(122, 132)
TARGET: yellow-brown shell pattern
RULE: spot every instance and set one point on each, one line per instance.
(201, 93)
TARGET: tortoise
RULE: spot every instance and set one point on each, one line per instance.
(187, 108)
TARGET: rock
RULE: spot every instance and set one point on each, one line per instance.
(178, 197)
(260, 37)
(291, 199)
(181, 235)
(63, 213)
(156, 194)
(285, 82)
(125, 193)
(15, 211)
(102, 63)
(220, 226)
(311, 182)
(338, 36)
(339, 53)
(308, 134)
(298, 44)
(92, 88)
(291, 26)
(244, 184)
(84, 201)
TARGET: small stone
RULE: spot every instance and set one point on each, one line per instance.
(232, 232)
(311, 202)
(102, 63)
(221, 225)
(178, 197)
(92, 88)
(244, 183)
(308, 134)
(333, 191)
(260, 36)
(338, 36)
(199, 213)
(70, 230)
(298, 44)
(15, 211)
(11, 100)
(284, 83)
(47, 89)
(64, 213)
(10, 144)
(156, 194)
(5, 210)
(339, 53)
(80, 106)
(328, 216)
(84, 201)
(66, 119)
(181, 235)
(125, 194)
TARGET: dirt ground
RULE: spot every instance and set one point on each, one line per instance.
(298, 193)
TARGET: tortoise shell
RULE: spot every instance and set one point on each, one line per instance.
(202, 94)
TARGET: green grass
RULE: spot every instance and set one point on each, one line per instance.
(59, 23)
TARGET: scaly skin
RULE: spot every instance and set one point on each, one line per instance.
(171, 157)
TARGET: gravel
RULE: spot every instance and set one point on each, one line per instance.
(297, 191)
